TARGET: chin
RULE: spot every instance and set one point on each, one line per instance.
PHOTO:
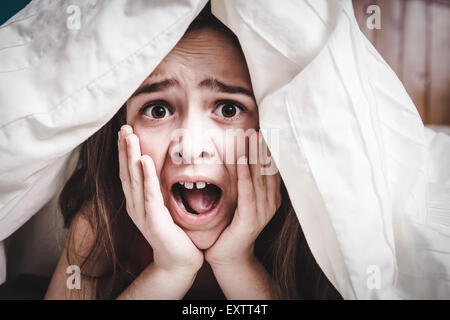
(203, 239)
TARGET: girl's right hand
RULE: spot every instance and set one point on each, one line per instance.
(173, 250)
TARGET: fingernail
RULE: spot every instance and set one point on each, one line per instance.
(126, 129)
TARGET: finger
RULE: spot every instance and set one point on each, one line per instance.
(123, 167)
(273, 194)
(254, 158)
(125, 130)
(124, 173)
(135, 171)
(246, 193)
(257, 178)
(153, 199)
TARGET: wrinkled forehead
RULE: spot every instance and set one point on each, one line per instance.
(204, 53)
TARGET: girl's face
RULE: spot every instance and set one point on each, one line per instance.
(185, 115)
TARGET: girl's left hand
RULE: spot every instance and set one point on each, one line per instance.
(259, 198)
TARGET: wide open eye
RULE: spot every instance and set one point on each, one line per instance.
(156, 110)
(228, 110)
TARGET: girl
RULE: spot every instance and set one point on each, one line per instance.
(151, 217)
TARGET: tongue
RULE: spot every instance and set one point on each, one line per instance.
(201, 200)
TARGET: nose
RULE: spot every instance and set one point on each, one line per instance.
(185, 158)
(192, 144)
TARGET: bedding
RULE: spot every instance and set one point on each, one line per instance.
(369, 183)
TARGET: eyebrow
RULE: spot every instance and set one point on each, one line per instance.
(210, 83)
(214, 84)
(157, 86)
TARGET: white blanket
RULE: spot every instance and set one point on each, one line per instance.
(370, 185)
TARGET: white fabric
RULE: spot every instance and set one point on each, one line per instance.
(59, 85)
(369, 183)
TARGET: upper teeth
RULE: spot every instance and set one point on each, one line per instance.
(190, 185)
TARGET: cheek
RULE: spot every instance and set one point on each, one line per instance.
(236, 144)
(153, 143)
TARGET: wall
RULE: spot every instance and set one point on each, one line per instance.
(414, 39)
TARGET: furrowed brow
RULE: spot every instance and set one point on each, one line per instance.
(157, 86)
(214, 84)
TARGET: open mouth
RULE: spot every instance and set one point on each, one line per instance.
(196, 198)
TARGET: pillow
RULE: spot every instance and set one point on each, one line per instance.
(348, 141)
(352, 149)
(65, 71)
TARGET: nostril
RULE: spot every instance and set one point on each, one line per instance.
(178, 155)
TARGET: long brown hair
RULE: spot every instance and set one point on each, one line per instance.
(95, 189)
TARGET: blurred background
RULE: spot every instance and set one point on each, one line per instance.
(414, 39)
